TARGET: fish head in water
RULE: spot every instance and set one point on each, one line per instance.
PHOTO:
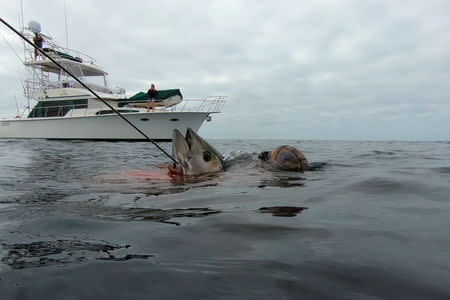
(286, 157)
(194, 155)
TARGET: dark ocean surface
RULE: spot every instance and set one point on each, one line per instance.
(78, 220)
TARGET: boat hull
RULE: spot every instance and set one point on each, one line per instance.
(156, 125)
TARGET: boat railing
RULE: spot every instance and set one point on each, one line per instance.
(208, 104)
(33, 85)
(50, 44)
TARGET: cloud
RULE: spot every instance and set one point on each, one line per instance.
(326, 69)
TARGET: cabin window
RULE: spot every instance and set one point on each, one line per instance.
(110, 112)
(48, 109)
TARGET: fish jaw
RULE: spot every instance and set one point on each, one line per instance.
(180, 149)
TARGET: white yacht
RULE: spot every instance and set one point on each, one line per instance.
(64, 109)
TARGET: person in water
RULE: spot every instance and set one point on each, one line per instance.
(152, 94)
(37, 40)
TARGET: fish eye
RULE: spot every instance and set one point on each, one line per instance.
(206, 156)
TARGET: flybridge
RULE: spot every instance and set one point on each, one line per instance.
(47, 75)
(75, 65)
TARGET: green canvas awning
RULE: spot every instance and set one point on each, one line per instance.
(63, 55)
(143, 97)
(162, 95)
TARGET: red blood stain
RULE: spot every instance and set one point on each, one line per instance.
(164, 173)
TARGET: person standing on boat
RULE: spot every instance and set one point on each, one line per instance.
(152, 94)
(37, 40)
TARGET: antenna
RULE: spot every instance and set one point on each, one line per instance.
(21, 14)
(65, 20)
(21, 29)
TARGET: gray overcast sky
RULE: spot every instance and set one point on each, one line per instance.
(364, 70)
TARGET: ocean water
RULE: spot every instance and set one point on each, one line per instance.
(87, 220)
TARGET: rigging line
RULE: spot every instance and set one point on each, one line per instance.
(41, 83)
(14, 51)
(17, 55)
(22, 82)
(88, 88)
(17, 106)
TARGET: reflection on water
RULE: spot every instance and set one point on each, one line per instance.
(152, 215)
(283, 211)
(284, 181)
(61, 252)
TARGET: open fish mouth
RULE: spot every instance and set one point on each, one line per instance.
(180, 148)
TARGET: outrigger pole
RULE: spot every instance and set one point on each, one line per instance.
(88, 88)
